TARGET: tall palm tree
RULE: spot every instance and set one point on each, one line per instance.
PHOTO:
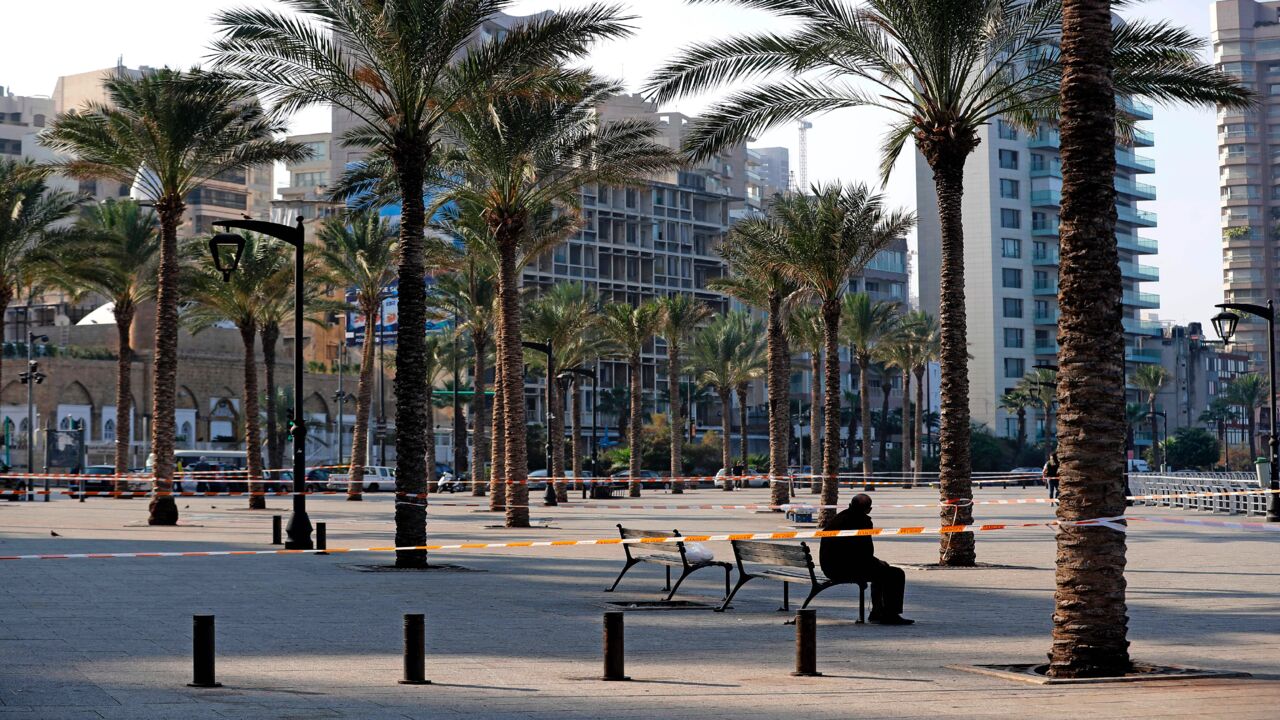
(165, 133)
(923, 329)
(1248, 392)
(1040, 386)
(436, 363)
(112, 251)
(28, 212)
(945, 69)
(520, 157)
(401, 68)
(213, 300)
(805, 331)
(750, 363)
(899, 353)
(1015, 401)
(829, 237)
(679, 316)
(1099, 62)
(1151, 379)
(629, 329)
(565, 316)
(765, 288)
(713, 351)
(867, 325)
(359, 252)
(1217, 415)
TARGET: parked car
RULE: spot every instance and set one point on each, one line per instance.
(538, 478)
(376, 477)
(750, 477)
(1137, 465)
(648, 478)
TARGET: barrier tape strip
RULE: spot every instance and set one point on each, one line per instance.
(843, 479)
(1109, 522)
(1235, 525)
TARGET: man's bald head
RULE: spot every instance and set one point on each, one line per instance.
(860, 503)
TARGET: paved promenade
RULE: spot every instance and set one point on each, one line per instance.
(517, 633)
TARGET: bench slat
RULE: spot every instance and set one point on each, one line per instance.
(770, 553)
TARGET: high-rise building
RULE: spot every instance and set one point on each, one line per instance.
(1013, 184)
(1246, 43)
(768, 174)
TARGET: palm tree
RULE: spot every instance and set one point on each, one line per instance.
(712, 358)
(944, 69)
(867, 325)
(520, 157)
(564, 316)
(828, 237)
(359, 252)
(112, 251)
(923, 329)
(213, 301)
(1040, 386)
(679, 316)
(1089, 620)
(1249, 392)
(1150, 379)
(28, 212)
(629, 329)
(900, 353)
(401, 69)
(1015, 401)
(765, 288)
(1217, 415)
(805, 331)
(436, 362)
(165, 133)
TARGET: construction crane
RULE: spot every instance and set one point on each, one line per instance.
(804, 155)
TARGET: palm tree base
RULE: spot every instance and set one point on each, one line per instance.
(411, 559)
(163, 511)
(355, 498)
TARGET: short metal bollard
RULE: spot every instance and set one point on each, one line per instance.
(202, 652)
(807, 643)
(322, 543)
(614, 651)
(275, 531)
(415, 651)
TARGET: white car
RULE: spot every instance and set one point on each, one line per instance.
(750, 478)
(376, 477)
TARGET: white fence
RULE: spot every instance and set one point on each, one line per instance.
(1247, 500)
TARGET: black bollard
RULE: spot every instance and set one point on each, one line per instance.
(807, 643)
(275, 530)
(202, 652)
(322, 543)
(614, 653)
(415, 651)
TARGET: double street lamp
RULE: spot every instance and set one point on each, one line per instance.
(1224, 323)
(31, 378)
(226, 249)
(589, 373)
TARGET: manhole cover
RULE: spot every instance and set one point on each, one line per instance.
(658, 605)
(1035, 673)
(440, 567)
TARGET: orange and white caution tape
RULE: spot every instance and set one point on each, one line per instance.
(1233, 524)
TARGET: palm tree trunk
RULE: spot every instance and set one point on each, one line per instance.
(275, 448)
(411, 418)
(633, 431)
(163, 510)
(1155, 447)
(815, 406)
(364, 406)
(864, 402)
(677, 419)
(946, 155)
(830, 409)
(916, 426)
(1089, 619)
(886, 386)
(511, 362)
(433, 485)
(479, 444)
(124, 312)
(742, 423)
(575, 415)
(497, 473)
(906, 426)
(726, 412)
(1251, 422)
(555, 431)
(779, 401)
(252, 430)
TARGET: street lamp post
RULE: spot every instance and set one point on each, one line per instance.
(227, 249)
(546, 349)
(31, 378)
(1224, 323)
(459, 423)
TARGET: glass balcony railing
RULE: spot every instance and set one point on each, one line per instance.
(1142, 355)
(1049, 317)
(1137, 271)
(1142, 218)
(1142, 327)
(1046, 198)
(1141, 299)
(1047, 288)
(1044, 139)
(1049, 257)
(1134, 161)
(1046, 347)
(1137, 244)
(1143, 138)
(1141, 191)
(1047, 229)
(1136, 108)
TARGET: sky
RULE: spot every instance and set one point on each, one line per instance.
(70, 36)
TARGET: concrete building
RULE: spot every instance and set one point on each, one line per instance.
(1246, 43)
(1013, 187)
(768, 174)
(1200, 370)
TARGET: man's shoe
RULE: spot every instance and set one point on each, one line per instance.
(893, 620)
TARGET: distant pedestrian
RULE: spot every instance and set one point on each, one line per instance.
(1050, 474)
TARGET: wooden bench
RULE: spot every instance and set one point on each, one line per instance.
(670, 554)
(789, 564)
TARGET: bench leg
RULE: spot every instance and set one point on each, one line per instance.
(741, 581)
(667, 587)
(683, 575)
(786, 597)
(625, 568)
(862, 604)
(812, 594)
(727, 572)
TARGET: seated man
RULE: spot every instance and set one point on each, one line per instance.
(851, 559)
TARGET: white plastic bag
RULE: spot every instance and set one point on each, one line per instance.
(697, 553)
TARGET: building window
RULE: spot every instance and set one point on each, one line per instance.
(1011, 247)
(1010, 219)
(1009, 159)
(1011, 277)
(1015, 367)
(1009, 189)
(310, 179)
(1042, 309)
(872, 286)
(1006, 131)
(1013, 337)
(220, 198)
(319, 149)
(1012, 307)
(11, 147)
(109, 431)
